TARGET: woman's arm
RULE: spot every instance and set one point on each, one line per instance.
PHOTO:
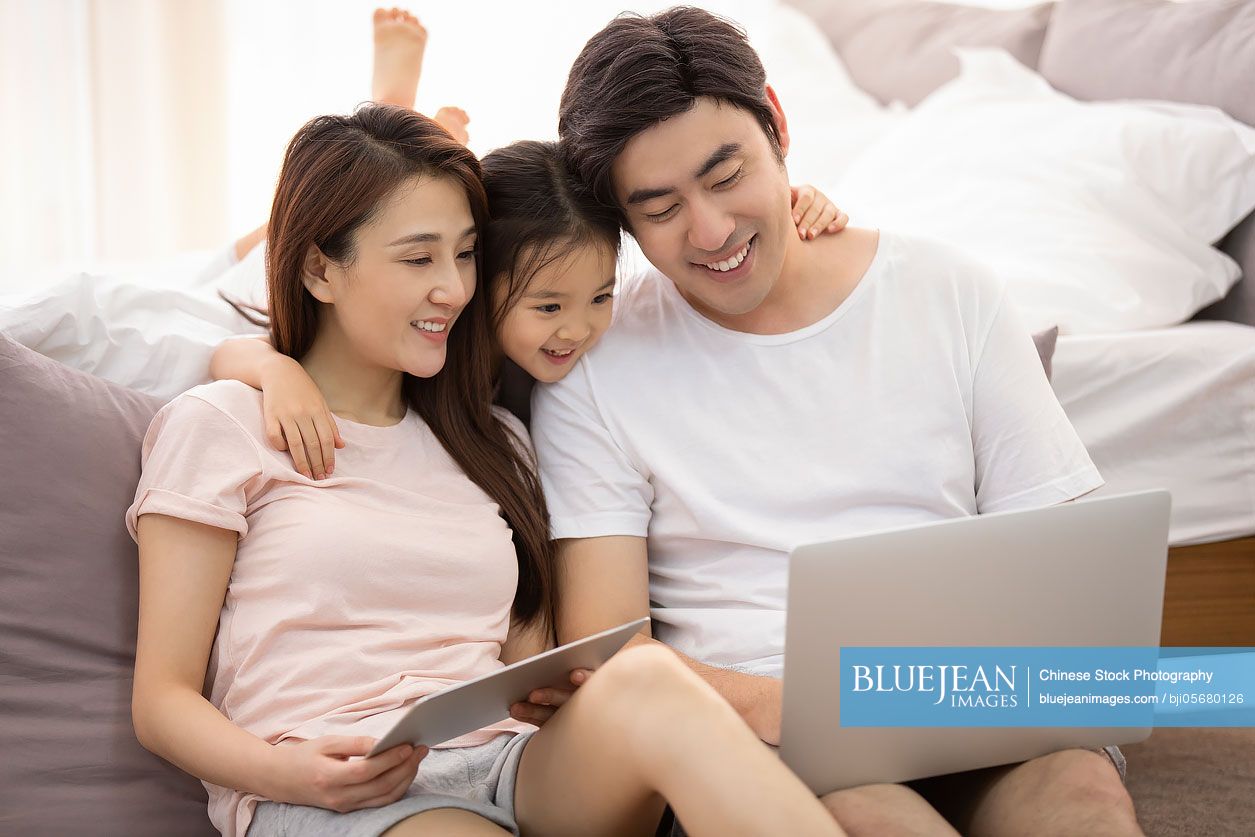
(184, 568)
(184, 571)
(297, 417)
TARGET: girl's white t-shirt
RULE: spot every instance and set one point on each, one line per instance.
(920, 398)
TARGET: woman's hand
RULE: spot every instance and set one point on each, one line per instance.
(319, 772)
(297, 417)
(542, 703)
(814, 213)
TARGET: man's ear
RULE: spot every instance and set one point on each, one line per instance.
(782, 124)
(314, 275)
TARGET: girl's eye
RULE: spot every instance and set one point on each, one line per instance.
(730, 181)
(662, 216)
(421, 260)
(467, 255)
(601, 299)
(550, 308)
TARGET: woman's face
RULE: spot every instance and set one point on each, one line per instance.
(561, 314)
(413, 274)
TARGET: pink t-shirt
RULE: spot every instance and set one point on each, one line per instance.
(350, 597)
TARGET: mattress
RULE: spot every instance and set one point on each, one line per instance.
(1170, 408)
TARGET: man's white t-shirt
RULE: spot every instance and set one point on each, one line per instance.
(920, 398)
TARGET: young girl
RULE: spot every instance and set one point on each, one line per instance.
(317, 612)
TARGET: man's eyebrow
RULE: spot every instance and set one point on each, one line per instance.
(723, 152)
(423, 238)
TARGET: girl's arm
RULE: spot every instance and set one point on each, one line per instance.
(297, 417)
(184, 570)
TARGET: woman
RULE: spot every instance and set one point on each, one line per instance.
(321, 610)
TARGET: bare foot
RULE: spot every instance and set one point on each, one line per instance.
(454, 120)
(399, 44)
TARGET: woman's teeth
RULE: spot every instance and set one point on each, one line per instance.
(553, 353)
(423, 325)
(732, 263)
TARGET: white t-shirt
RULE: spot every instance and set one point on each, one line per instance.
(920, 398)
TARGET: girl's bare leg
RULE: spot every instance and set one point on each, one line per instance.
(249, 241)
(400, 41)
(645, 729)
(454, 120)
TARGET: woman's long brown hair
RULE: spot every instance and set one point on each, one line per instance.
(337, 171)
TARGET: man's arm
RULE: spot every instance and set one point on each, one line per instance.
(604, 582)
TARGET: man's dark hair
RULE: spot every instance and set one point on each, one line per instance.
(639, 71)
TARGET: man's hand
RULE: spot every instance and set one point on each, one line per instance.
(543, 703)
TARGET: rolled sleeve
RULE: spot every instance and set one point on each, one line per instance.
(199, 465)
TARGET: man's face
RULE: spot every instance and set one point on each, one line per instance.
(708, 201)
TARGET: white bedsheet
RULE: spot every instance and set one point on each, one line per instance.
(1171, 408)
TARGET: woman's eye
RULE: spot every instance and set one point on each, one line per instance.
(551, 308)
(601, 299)
(467, 255)
(421, 260)
(729, 181)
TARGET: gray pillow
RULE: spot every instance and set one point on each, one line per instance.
(1201, 52)
(70, 763)
(904, 49)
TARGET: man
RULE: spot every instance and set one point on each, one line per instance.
(755, 393)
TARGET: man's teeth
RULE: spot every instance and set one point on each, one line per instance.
(733, 262)
(423, 325)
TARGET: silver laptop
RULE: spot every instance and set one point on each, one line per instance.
(1086, 573)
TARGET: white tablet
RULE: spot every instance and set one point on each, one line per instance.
(475, 704)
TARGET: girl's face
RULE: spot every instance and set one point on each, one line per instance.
(413, 274)
(561, 314)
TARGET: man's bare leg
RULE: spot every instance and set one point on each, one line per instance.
(1069, 792)
(888, 810)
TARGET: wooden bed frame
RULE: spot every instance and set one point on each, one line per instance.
(1209, 594)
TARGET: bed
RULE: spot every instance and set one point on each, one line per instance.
(1175, 408)
(1172, 405)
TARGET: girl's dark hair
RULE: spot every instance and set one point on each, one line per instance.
(540, 212)
(336, 174)
(638, 71)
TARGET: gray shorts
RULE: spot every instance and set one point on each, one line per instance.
(477, 779)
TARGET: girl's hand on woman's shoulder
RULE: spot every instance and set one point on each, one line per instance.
(814, 213)
(298, 419)
(319, 772)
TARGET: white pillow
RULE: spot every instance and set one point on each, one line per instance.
(151, 330)
(1099, 215)
(831, 119)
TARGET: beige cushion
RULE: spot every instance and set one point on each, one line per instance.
(902, 50)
